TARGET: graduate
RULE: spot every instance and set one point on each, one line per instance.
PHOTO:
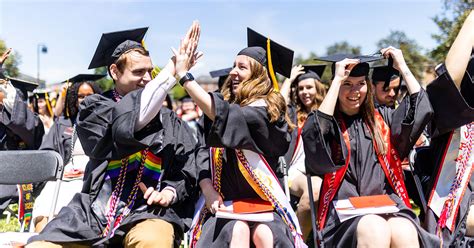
(356, 148)
(450, 157)
(140, 181)
(386, 81)
(20, 128)
(246, 131)
(303, 93)
(43, 107)
(63, 139)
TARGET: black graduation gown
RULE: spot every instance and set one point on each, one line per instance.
(19, 130)
(364, 175)
(237, 127)
(294, 134)
(452, 109)
(59, 138)
(106, 131)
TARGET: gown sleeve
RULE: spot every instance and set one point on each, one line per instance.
(165, 134)
(24, 123)
(408, 121)
(452, 107)
(94, 127)
(246, 127)
(320, 136)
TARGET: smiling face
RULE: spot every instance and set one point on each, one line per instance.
(135, 74)
(42, 108)
(387, 96)
(307, 92)
(84, 91)
(352, 94)
(240, 73)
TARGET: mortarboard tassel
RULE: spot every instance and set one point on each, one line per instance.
(48, 104)
(270, 68)
(155, 72)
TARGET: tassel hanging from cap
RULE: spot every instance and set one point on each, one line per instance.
(143, 44)
(155, 72)
(270, 68)
(48, 104)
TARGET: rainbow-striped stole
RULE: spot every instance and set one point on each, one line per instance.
(152, 166)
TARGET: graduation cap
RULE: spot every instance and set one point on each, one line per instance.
(222, 74)
(384, 72)
(43, 94)
(312, 71)
(23, 85)
(112, 45)
(270, 54)
(361, 69)
(85, 78)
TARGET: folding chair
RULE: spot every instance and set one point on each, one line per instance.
(31, 166)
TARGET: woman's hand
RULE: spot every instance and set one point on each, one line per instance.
(163, 198)
(214, 200)
(400, 65)
(186, 56)
(344, 68)
(296, 71)
(5, 56)
(398, 60)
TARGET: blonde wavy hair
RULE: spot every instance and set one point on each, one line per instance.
(301, 111)
(258, 86)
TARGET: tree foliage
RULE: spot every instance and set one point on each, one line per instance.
(105, 83)
(343, 47)
(11, 64)
(415, 59)
(449, 22)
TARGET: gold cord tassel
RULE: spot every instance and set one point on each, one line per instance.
(48, 104)
(270, 68)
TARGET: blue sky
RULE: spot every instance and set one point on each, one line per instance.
(72, 29)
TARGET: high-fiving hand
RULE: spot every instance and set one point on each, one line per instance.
(187, 55)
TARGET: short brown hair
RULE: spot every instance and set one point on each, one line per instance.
(121, 62)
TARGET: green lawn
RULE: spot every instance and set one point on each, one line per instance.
(13, 226)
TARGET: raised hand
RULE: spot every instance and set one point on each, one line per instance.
(344, 68)
(397, 56)
(186, 56)
(296, 71)
(5, 56)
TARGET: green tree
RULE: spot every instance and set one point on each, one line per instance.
(449, 22)
(411, 51)
(343, 47)
(11, 64)
(105, 83)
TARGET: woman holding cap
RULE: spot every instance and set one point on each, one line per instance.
(356, 148)
(245, 132)
(303, 92)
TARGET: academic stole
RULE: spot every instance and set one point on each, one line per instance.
(25, 205)
(261, 178)
(146, 164)
(390, 163)
(453, 177)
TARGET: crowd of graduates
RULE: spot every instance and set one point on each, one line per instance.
(257, 163)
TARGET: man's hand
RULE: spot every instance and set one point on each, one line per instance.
(163, 198)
